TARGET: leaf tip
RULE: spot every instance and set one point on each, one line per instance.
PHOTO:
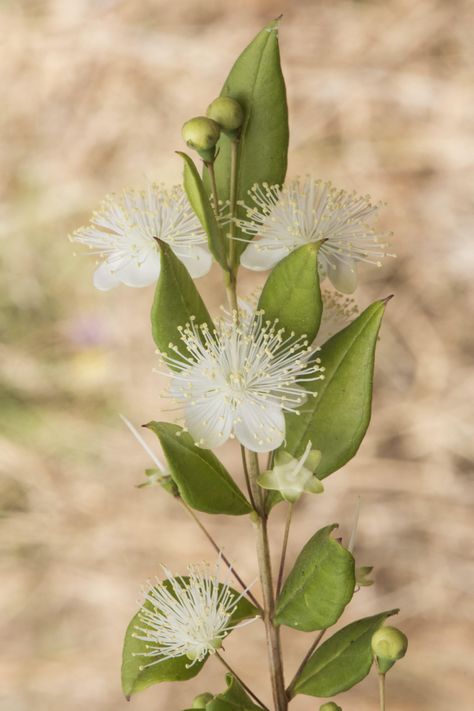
(387, 299)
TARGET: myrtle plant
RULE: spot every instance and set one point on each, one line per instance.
(285, 373)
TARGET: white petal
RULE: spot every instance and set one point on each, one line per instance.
(105, 278)
(138, 274)
(343, 276)
(260, 428)
(260, 257)
(209, 423)
(197, 261)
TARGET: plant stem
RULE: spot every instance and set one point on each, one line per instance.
(242, 683)
(247, 478)
(224, 558)
(234, 155)
(212, 175)
(382, 691)
(265, 568)
(308, 654)
(284, 548)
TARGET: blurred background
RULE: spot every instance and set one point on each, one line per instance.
(94, 95)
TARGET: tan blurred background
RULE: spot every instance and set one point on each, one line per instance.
(93, 96)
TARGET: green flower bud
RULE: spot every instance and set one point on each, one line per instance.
(330, 706)
(227, 112)
(201, 700)
(202, 134)
(388, 645)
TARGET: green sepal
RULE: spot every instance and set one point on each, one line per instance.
(203, 482)
(319, 586)
(155, 477)
(361, 576)
(291, 293)
(256, 82)
(136, 679)
(201, 205)
(235, 698)
(342, 661)
(337, 419)
(176, 302)
(292, 477)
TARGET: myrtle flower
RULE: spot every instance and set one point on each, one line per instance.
(338, 312)
(311, 211)
(187, 615)
(240, 379)
(123, 232)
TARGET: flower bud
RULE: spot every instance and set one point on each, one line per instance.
(201, 700)
(388, 645)
(202, 134)
(227, 112)
(330, 706)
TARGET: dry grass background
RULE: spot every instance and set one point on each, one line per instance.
(94, 94)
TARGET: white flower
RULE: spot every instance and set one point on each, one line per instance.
(187, 615)
(311, 211)
(239, 380)
(339, 310)
(122, 233)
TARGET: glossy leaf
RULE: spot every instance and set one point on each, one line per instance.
(342, 661)
(201, 205)
(291, 293)
(256, 82)
(203, 482)
(134, 678)
(319, 586)
(176, 301)
(235, 698)
(337, 419)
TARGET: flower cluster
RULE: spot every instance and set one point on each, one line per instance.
(240, 379)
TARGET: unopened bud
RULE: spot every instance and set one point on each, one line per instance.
(201, 700)
(227, 112)
(330, 706)
(388, 645)
(202, 134)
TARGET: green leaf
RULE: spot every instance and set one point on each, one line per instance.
(337, 419)
(291, 293)
(234, 698)
(342, 661)
(201, 205)
(319, 586)
(203, 482)
(256, 82)
(176, 301)
(134, 678)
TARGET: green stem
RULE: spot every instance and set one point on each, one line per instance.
(212, 175)
(242, 683)
(284, 548)
(234, 155)
(382, 691)
(265, 569)
(308, 654)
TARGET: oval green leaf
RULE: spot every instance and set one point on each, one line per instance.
(291, 293)
(342, 661)
(201, 205)
(134, 678)
(176, 301)
(256, 82)
(337, 419)
(235, 698)
(203, 482)
(319, 586)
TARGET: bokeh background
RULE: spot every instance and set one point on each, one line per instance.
(94, 93)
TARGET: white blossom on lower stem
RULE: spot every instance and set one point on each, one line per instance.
(187, 616)
(239, 380)
(308, 210)
(123, 232)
